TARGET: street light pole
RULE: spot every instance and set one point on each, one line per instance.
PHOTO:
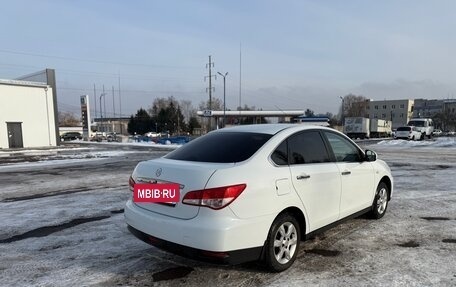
(224, 95)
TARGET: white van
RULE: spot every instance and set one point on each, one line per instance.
(425, 126)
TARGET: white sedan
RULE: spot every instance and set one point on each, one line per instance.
(254, 192)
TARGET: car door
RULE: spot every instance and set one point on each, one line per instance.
(357, 175)
(314, 177)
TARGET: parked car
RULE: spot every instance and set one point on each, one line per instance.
(437, 132)
(422, 125)
(98, 137)
(111, 137)
(174, 140)
(408, 133)
(69, 136)
(254, 192)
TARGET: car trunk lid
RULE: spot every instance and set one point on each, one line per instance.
(189, 175)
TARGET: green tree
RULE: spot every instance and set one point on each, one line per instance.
(309, 113)
(169, 118)
(141, 123)
(193, 123)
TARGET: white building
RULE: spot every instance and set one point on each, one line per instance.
(398, 111)
(28, 113)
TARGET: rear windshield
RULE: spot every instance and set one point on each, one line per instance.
(404, 129)
(221, 147)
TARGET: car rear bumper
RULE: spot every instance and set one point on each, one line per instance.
(229, 257)
(210, 231)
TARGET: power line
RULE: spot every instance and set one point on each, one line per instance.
(100, 74)
(94, 61)
(132, 91)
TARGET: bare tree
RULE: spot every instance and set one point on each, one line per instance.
(67, 119)
(161, 104)
(354, 106)
(217, 105)
(187, 109)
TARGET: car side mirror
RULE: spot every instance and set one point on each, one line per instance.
(370, 155)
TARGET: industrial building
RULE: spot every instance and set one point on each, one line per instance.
(398, 111)
(28, 111)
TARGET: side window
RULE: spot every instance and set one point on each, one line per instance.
(307, 147)
(343, 149)
(280, 155)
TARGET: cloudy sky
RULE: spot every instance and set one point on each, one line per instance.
(295, 54)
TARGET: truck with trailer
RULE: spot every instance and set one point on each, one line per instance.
(360, 127)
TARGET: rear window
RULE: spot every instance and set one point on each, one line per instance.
(307, 147)
(404, 129)
(221, 147)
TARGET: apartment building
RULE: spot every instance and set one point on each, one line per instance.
(397, 111)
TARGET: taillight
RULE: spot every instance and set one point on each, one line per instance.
(215, 198)
(131, 183)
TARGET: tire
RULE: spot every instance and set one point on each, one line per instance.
(380, 203)
(282, 244)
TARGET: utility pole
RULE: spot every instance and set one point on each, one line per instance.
(210, 89)
(104, 107)
(113, 104)
(95, 102)
(120, 108)
(104, 102)
(240, 78)
(101, 113)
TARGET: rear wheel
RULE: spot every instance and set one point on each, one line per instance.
(380, 203)
(283, 243)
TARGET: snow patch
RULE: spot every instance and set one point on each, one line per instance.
(444, 142)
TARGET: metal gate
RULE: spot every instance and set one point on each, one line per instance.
(15, 135)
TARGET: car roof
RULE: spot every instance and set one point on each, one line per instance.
(271, 129)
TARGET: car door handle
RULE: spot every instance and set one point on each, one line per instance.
(346, 172)
(302, 176)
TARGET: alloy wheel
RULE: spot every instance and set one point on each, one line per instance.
(285, 242)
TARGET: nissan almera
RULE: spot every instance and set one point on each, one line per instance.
(255, 192)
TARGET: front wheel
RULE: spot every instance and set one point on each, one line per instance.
(282, 243)
(380, 203)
